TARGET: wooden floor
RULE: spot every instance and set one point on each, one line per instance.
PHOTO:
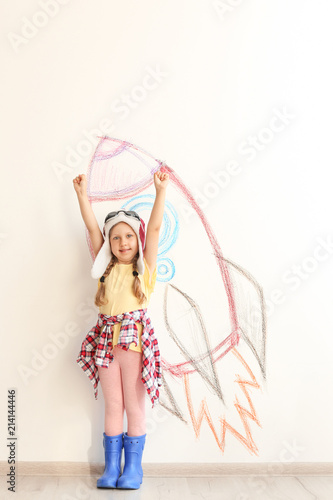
(153, 488)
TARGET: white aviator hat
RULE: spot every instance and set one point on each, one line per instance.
(104, 255)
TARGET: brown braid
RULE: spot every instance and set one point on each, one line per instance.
(100, 299)
(137, 290)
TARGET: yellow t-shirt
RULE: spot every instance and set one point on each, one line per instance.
(121, 299)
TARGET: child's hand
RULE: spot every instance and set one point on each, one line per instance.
(161, 180)
(80, 184)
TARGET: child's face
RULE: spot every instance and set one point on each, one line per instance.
(124, 243)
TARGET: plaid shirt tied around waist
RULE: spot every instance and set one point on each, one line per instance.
(96, 349)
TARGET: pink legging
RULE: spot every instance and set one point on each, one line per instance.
(123, 389)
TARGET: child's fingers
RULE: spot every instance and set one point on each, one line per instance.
(79, 178)
(161, 176)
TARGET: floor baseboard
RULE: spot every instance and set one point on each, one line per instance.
(175, 469)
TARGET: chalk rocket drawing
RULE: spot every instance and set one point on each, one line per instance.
(201, 341)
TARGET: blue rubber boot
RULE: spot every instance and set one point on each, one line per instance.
(113, 446)
(131, 477)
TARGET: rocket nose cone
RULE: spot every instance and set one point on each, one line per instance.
(118, 170)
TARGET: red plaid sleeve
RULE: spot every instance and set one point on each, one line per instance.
(86, 357)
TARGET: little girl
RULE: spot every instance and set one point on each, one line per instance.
(125, 263)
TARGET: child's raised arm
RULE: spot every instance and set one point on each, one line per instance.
(161, 181)
(88, 216)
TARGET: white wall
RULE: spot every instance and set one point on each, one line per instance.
(222, 76)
